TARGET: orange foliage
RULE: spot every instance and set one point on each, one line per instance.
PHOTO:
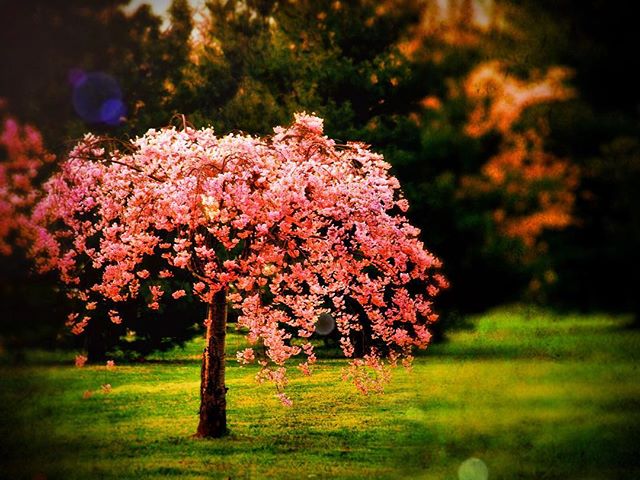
(536, 189)
(431, 102)
(454, 23)
(501, 98)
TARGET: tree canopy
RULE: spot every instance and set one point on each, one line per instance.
(286, 228)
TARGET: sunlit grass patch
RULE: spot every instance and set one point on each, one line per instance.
(532, 397)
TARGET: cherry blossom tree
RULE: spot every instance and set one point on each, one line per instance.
(22, 159)
(292, 230)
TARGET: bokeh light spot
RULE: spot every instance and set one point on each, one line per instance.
(473, 469)
(325, 324)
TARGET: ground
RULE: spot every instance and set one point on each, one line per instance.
(534, 395)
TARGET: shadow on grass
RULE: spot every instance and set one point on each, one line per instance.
(605, 447)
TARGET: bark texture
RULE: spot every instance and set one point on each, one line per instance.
(213, 392)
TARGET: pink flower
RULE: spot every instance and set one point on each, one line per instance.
(24, 159)
(246, 356)
(403, 205)
(114, 317)
(178, 294)
(79, 327)
(111, 364)
(143, 273)
(304, 368)
(80, 361)
(71, 319)
(314, 124)
(286, 401)
(156, 292)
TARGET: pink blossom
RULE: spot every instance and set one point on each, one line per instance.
(178, 294)
(284, 399)
(114, 317)
(165, 274)
(80, 361)
(304, 368)
(24, 158)
(156, 291)
(246, 356)
(143, 273)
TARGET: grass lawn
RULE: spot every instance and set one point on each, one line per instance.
(533, 394)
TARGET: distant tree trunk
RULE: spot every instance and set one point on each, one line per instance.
(213, 403)
(95, 342)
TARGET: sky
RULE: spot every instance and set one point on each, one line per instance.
(160, 7)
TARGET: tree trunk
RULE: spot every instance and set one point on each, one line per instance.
(95, 342)
(213, 403)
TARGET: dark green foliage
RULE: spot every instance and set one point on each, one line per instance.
(261, 64)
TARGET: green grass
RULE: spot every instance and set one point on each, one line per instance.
(532, 394)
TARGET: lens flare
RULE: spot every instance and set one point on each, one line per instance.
(97, 97)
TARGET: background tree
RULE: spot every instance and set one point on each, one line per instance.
(46, 58)
(532, 189)
(284, 229)
(23, 159)
(598, 131)
(258, 62)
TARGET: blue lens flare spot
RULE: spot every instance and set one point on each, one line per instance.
(112, 111)
(76, 76)
(97, 98)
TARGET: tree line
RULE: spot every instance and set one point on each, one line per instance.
(512, 127)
